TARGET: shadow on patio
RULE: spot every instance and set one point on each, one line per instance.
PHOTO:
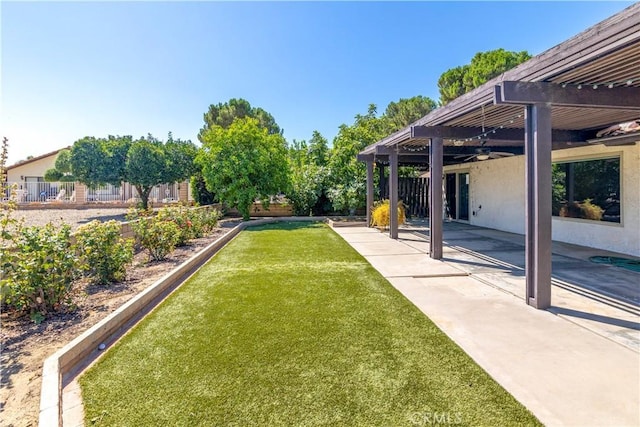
(600, 297)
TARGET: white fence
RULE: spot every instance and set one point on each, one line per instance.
(28, 192)
(128, 193)
(65, 192)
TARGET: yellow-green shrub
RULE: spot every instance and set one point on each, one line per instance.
(103, 251)
(586, 210)
(380, 214)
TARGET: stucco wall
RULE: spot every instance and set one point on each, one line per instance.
(498, 186)
(35, 168)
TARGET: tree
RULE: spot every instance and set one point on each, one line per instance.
(243, 163)
(483, 67)
(308, 175)
(347, 175)
(223, 115)
(146, 166)
(180, 156)
(89, 161)
(318, 150)
(150, 162)
(408, 110)
(62, 168)
(144, 163)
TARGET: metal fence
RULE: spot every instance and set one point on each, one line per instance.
(40, 191)
(65, 192)
(128, 193)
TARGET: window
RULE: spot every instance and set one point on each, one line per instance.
(587, 189)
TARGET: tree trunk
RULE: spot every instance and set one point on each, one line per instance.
(144, 192)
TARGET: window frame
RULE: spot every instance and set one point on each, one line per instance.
(595, 157)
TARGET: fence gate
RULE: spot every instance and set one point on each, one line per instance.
(414, 194)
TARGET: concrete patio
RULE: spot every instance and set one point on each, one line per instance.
(577, 363)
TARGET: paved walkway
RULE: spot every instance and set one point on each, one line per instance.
(574, 365)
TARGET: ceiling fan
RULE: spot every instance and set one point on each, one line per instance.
(483, 153)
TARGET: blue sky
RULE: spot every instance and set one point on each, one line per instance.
(73, 69)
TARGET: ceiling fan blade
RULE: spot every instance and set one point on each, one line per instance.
(470, 157)
(498, 154)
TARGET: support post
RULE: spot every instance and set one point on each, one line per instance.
(435, 198)
(393, 195)
(538, 205)
(369, 191)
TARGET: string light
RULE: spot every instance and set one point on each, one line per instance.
(596, 85)
(415, 149)
(484, 134)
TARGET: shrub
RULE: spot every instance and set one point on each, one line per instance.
(590, 211)
(586, 210)
(209, 219)
(307, 184)
(380, 214)
(158, 235)
(38, 270)
(347, 197)
(103, 251)
(188, 224)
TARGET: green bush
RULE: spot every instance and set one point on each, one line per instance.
(183, 219)
(158, 235)
(103, 251)
(208, 218)
(38, 270)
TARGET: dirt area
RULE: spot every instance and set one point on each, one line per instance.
(25, 346)
(74, 217)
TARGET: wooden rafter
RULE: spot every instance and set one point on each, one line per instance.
(524, 93)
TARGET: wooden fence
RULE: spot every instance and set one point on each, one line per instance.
(414, 193)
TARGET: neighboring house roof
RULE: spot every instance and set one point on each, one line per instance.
(33, 159)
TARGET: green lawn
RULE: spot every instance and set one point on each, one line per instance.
(289, 326)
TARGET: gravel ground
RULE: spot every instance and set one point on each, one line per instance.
(74, 217)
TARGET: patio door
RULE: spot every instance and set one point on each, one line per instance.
(451, 201)
(463, 196)
(456, 190)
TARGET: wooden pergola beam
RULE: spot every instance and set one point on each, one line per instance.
(526, 93)
(504, 134)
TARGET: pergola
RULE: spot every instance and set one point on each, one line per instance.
(558, 99)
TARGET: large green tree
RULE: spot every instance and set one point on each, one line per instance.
(62, 168)
(318, 150)
(347, 174)
(144, 163)
(223, 115)
(408, 110)
(243, 162)
(90, 162)
(483, 67)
